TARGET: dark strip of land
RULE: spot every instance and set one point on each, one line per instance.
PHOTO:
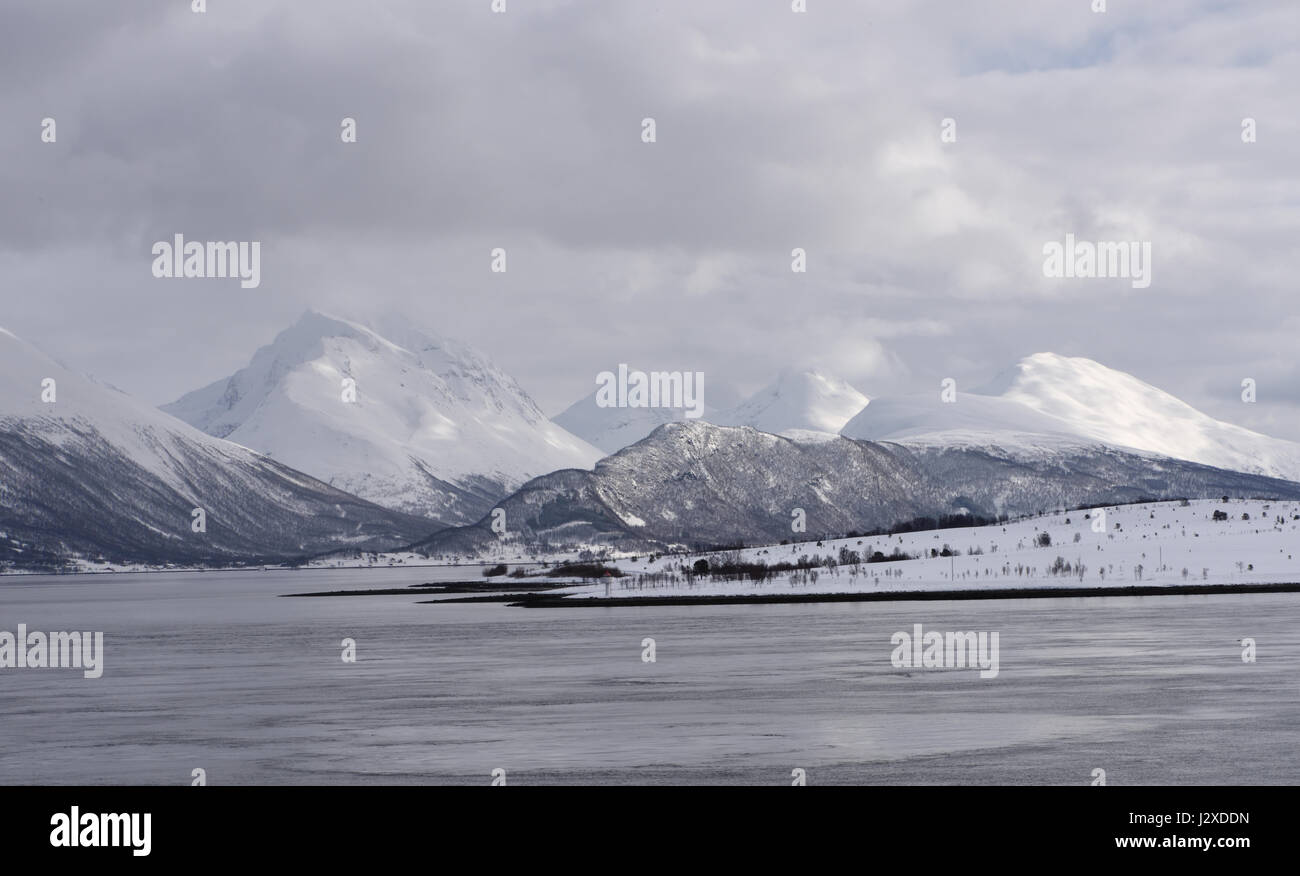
(560, 601)
(448, 587)
(508, 597)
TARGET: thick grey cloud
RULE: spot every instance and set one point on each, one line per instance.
(775, 130)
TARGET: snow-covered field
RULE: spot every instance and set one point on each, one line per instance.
(1162, 543)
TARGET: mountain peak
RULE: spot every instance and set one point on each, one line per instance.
(94, 471)
(389, 412)
(1101, 402)
(797, 403)
(1047, 395)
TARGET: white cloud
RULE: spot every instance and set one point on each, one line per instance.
(775, 130)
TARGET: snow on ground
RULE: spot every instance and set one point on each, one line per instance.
(1161, 543)
(370, 559)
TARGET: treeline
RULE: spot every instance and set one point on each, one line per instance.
(916, 524)
(585, 570)
(731, 565)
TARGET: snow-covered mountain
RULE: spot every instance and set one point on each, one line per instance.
(435, 428)
(1046, 402)
(698, 484)
(87, 471)
(804, 405)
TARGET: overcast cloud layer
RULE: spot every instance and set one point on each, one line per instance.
(775, 130)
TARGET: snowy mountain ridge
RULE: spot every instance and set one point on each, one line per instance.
(696, 484)
(804, 405)
(88, 470)
(432, 427)
(1048, 403)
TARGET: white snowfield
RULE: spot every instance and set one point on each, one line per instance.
(1155, 544)
(424, 408)
(1047, 401)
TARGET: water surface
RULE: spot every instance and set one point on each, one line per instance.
(214, 670)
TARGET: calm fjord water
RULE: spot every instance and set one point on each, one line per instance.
(214, 670)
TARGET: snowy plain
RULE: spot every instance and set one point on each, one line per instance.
(1149, 544)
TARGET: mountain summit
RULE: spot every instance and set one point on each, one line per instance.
(90, 472)
(799, 404)
(395, 415)
(1047, 400)
(804, 405)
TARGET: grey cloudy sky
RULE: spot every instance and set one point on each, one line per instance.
(775, 130)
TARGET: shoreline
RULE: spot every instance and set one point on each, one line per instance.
(509, 592)
(553, 601)
(269, 567)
